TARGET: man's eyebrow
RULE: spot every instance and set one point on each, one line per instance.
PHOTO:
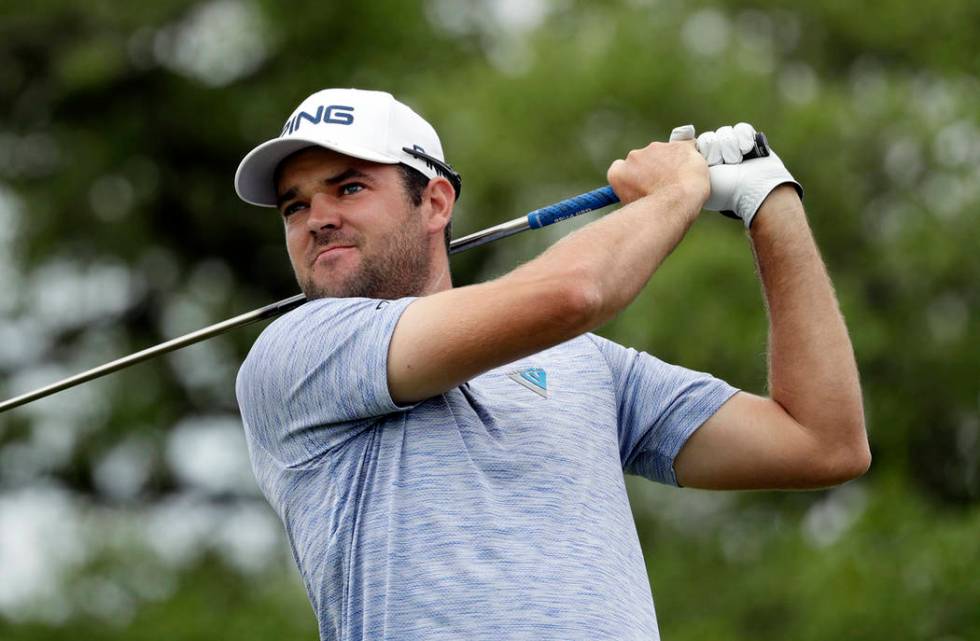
(286, 196)
(344, 175)
(347, 174)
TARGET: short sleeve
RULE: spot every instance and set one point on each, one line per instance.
(318, 376)
(659, 406)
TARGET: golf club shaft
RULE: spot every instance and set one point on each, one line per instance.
(563, 210)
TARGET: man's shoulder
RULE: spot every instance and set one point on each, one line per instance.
(322, 316)
(584, 352)
(608, 348)
(316, 324)
(321, 309)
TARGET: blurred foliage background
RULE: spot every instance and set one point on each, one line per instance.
(127, 508)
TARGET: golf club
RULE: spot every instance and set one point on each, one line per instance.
(563, 210)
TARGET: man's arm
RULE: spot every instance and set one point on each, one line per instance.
(811, 432)
(582, 281)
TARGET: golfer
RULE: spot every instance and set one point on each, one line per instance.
(448, 461)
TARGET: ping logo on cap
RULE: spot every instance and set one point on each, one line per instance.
(326, 114)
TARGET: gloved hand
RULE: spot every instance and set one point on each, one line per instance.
(737, 187)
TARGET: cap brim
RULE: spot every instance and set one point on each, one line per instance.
(253, 180)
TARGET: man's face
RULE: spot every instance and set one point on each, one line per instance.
(350, 228)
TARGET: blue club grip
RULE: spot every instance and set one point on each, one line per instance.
(595, 199)
(605, 196)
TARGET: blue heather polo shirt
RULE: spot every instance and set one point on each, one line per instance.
(497, 510)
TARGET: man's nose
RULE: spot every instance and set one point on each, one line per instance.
(323, 213)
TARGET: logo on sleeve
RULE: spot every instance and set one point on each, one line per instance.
(533, 378)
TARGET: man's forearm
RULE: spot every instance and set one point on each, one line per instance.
(616, 255)
(812, 371)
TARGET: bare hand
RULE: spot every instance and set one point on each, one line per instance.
(661, 166)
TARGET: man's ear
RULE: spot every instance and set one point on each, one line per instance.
(438, 200)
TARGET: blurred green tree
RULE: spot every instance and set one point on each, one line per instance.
(120, 129)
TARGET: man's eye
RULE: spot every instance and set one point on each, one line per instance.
(292, 208)
(351, 188)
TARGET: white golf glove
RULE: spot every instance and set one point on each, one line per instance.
(737, 187)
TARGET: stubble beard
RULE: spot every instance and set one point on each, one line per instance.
(398, 267)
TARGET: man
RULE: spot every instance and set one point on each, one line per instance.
(448, 462)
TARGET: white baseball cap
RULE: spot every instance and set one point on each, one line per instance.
(370, 125)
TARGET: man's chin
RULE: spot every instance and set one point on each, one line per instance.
(315, 288)
(398, 275)
(320, 282)
(314, 291)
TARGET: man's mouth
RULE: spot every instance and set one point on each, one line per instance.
(331, 251)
